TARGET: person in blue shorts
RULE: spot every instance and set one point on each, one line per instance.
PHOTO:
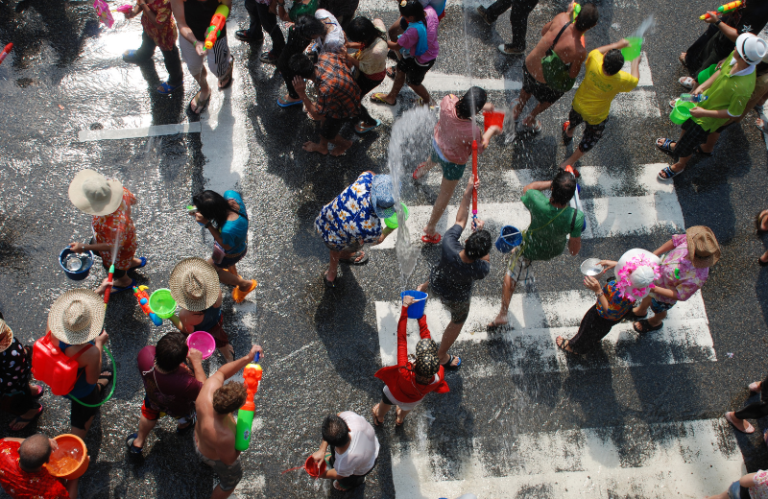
(226, 219)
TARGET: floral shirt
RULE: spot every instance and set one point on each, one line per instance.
(165, 34)
(760, 490)
(350, 217)
(105, 229)
(14, 369)
(678, 272)
(22, 485)
(617, 306)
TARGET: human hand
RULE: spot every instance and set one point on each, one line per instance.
(479, 224)
(254, 350)
(471, 183)
(101, 339)
(607, 264)
(76, 247)
(200, 218)
(318, 457)
(408, 301)
(300, 86)
(592, 283)
(622, 43)
(54, 444)
(697, 91)
(698, 112)
(488, 107)
(712, 18)
(195, 355)
(200, 48)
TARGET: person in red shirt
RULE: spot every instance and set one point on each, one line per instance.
(22, 474)
(406, 384)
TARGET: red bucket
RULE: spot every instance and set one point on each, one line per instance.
(493, 119)
(312, 469)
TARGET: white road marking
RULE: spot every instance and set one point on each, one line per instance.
(688, 460)
(540, 318)
(132, 133)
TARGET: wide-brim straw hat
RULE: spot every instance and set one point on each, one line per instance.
(92, 193)
(194, 284)
(703, 248)
(77, 316)
(3, 328)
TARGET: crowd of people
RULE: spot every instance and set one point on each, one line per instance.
(346, 58)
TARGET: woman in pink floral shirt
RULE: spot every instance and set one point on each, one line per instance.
(684, 270)
(757, 483)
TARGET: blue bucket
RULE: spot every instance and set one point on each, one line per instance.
(87, 261)
(416, 310)
(508, 239)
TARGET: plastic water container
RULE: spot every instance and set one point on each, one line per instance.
(508, 239)
(391, 222)
(681, 111)
(52, 367)
(70, 460)
(76, 266)
(202, 341)
(632, 51)
(493, 119)
(311, 467)
(162, 303)
(416, 310)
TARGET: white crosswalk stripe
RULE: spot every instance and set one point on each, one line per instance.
(657, 208)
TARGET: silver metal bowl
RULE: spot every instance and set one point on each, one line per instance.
(591, 267)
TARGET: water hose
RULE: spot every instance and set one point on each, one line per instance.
(114, 382)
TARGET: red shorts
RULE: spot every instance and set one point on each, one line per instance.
(148, 412)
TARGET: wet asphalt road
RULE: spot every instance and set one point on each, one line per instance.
(322, 347)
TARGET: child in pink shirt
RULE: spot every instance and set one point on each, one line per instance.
(452, 148)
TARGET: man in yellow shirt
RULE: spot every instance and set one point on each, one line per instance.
(603, 79)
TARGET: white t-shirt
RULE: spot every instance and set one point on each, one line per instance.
(334, 39)
(363, 448)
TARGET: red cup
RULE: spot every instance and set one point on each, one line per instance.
(493, 119)
(311, 467)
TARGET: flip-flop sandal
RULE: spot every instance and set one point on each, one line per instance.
(19, 420)
(239, 296)
(645, 327)
(359, 258)
(329, 284)
(118, 289)
(433, 239)
(748, 428)
(566, 139)
(186, 429)
(415, 178)
(763, 128)
(376, 421)
(449, 365)
(166, 88)
(634, 317)
(129, 443)
(759, 223)
(378, 98)
(562, 344)
(687, 82)
(230, 75)
(143, 262)
(200, 105)
(40, 393)
(288, 103)
(367, 129)
(666, 146)
(266, 57)
(669, 173)
(391, 72)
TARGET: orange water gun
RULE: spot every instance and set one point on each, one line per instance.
(251, 375)
(723, 9)
(218, 22)
(142, 297)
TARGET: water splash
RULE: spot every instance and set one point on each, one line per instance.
(408, 146)
(648, 24)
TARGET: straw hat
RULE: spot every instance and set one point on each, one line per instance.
(8, 339)
(635, 272)
(77, 316)
(194, 284)
(703, 249)
(92, 193)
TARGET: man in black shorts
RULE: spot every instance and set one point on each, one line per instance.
(338, 98)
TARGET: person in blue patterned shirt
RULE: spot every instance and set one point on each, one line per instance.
(355, 217)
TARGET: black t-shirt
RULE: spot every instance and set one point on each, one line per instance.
(198, 15)
(452, 278)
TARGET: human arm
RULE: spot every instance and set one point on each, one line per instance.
(71, 486)
(300, 86)
(213, 230)
(92, 359)
(594, 285)
(393, 45)
(635, 68)
(231, 368)
(576, 65)
(463, 213)
(494, 130)
(282, 12)
(184, 30)
(81, 247)
(423, 329)
(617, 45)
(351, 60)
(384, 233)
(747, 480)
(698, 112)
(402, 334)
(319, 456)
(729, 31)
(666, 293)
(607, 264)
(540, 185)
(704, 86)
(664, 248)
(13, 439)
(195, 358)
(574, 245)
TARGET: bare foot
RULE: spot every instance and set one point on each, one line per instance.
(315, 147)
(757, 385)
(102, 287)
(375, 412)
(500, 320)
(400, 417)
(21, 422)
(564, 344)
(340, 147)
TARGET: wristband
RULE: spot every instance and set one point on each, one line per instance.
(208, 225)
(718, 22)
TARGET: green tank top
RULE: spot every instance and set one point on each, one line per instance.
(301, 9)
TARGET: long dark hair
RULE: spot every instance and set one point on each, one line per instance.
(214, 207)
(413, 8)
(362, 30)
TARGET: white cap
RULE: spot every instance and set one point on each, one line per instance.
(751, 48)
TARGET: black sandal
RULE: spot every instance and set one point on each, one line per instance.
(645, 327)
(631, 316)
(563, 344)
(363, 259)
(448, 366)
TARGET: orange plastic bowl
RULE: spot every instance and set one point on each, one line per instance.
(70, 460)
(312, 469)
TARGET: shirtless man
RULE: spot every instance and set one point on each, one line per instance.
(215, 430)
(570, 49)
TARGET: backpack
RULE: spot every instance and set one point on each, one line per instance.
(556, 72)
(51, 366)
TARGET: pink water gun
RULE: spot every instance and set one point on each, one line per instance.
(124, 9)
(102, 10)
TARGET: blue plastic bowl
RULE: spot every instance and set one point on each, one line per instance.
(79, 275)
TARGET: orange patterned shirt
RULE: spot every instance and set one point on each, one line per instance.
(105, 230)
